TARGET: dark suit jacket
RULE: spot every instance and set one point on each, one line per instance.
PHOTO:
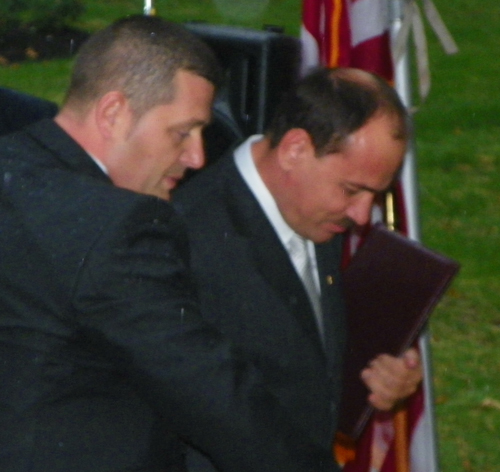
(19, 109)
(105, 362)
(250, 290)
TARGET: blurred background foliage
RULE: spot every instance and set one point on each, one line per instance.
(39, 14)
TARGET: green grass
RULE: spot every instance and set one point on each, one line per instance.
(47, 79)
(459, 161)
(458, 148)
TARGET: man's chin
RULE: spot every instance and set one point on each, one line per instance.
(163, 194)
(330, 232)
(323, 237)
(339, 229)
(168, 185)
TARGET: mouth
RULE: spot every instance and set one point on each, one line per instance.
(172, 181)
(337, 229)
(341, 227)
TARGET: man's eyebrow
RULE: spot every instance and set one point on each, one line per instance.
(191, 124)
(198, 122)
(367, 188)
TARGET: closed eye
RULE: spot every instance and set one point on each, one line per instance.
(350, 191)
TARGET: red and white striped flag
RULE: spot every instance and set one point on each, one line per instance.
(352, 33)
(356, 33)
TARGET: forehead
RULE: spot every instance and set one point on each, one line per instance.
(372, 155)
(190, 105)
(192, 90)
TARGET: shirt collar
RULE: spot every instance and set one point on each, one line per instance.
(99, 164)
(248, 170)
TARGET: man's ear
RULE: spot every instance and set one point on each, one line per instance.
(294, 147)
(112, 113)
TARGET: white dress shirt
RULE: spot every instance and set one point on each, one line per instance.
(246, 166)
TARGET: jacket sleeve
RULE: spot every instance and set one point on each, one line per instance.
(135, 302)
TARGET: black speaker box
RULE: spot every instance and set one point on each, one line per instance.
(258, 67)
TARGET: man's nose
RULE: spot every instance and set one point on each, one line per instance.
(360, 210)
(194, 157)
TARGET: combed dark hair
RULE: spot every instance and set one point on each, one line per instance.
(330, 104)
(139, 56)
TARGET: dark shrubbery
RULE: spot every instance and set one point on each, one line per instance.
(39, 29)
(38, 14)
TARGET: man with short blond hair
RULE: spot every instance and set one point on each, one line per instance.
(106, 363)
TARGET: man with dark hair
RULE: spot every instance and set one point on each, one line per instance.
(337, 140)
(105, 361)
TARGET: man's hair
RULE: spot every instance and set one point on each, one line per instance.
(139, 56)
(331, 104)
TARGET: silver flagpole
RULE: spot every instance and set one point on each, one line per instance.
(424, 457)
(149, 8)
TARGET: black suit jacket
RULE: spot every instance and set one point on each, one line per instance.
(251, 292)
(105, 362)
(18, 109)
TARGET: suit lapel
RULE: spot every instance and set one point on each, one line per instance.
(268, 255)
(328, 257)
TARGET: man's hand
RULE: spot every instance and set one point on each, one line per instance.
(391, 379)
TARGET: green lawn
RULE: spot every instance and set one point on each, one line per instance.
(459, 156)
(458, 147)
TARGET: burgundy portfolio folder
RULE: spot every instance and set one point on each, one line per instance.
(391, 286)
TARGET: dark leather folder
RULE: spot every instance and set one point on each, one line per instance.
(391, 286)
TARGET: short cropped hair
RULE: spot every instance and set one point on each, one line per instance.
(139, 56)
(331, 104)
